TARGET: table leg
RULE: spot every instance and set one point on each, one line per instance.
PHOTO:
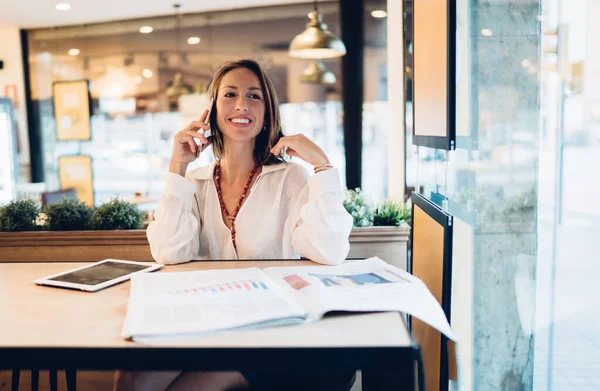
(35, 379)
(71, 375)
(53, 379)
(16, 376)
(387, 381)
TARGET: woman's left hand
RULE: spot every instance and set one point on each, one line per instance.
(300, 146)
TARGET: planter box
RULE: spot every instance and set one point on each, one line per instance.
(388, 243)
(74, 246)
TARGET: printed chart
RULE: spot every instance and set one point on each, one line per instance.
(228, 287)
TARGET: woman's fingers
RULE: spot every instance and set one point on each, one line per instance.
(195, 125)
(197, 135)
(203, 116)
(291, 142)
(282, 143)
(202, 147)
(192, 145)
(291, 152)
(300, 146)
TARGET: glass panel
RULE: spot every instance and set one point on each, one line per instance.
(146, 87)
(322, 123)
(8, 152)
(568, 314)
(491, 188)
(375, 119)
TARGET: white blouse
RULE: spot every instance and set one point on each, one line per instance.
(287, 214)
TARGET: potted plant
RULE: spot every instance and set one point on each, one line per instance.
(67, 215)
(381, 231)
(19, 215)
(72, 231)
(117, 214)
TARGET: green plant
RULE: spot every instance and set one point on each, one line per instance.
(19, 215)
(359, 208)
(391, 212)
(117, 214)
(68, 215)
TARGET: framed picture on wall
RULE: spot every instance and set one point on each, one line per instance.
(9, 164)
(75, 172)
(466, 110)
(434, 73)
(72, 110)
(431, 261)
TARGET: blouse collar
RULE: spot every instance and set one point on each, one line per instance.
(207, 171)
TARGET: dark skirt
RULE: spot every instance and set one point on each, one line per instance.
(300, 381)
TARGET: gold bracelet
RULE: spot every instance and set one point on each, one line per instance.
(323, 167)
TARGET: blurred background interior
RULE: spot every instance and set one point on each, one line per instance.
(523, 173)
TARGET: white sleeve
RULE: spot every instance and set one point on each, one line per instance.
(174, 233)
(320, 225)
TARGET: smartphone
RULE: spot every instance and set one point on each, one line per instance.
(208, 133)
(207, 120)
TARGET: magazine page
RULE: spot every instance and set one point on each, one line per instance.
(360, 286)
(196, 302)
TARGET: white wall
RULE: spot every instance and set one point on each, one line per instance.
(374, 83)
(396, 131)
(11, 79)
(300, 92)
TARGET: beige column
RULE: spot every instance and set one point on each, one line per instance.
(12, 83)
(396, 131)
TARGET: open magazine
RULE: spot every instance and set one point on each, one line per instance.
(198, 302)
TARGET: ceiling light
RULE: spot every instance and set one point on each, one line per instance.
(147, 73)
(316, 73)
(316, 41)
(63, 6)
(138, 80)
(379, 14)
(487, 32)
(73, 52)
(146, 29)
(193, 40)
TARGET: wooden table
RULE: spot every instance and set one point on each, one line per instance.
(45, 327)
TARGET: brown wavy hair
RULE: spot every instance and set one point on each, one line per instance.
(271, 132)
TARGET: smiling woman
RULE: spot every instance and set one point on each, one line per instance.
(249, 204)
(246, 109)
(248, 143)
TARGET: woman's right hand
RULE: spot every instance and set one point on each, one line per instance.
(185, 149)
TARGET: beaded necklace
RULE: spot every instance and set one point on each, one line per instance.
(240, 201)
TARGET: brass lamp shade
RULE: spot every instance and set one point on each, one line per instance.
(316, 41)
(316, 73)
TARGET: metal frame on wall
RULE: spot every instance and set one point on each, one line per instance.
(72, 110)
(76, 171)
(466, 114)
(428, 335)
(9, 165)
(447, 140)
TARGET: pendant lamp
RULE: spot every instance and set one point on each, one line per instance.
(178, 86)
(316, 73)
(316, 41)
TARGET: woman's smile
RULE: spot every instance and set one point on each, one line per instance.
(240, 102)
(241, 121)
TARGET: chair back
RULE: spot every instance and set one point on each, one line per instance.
(54, 197)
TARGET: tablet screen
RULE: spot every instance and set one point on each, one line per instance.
(100, 273)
